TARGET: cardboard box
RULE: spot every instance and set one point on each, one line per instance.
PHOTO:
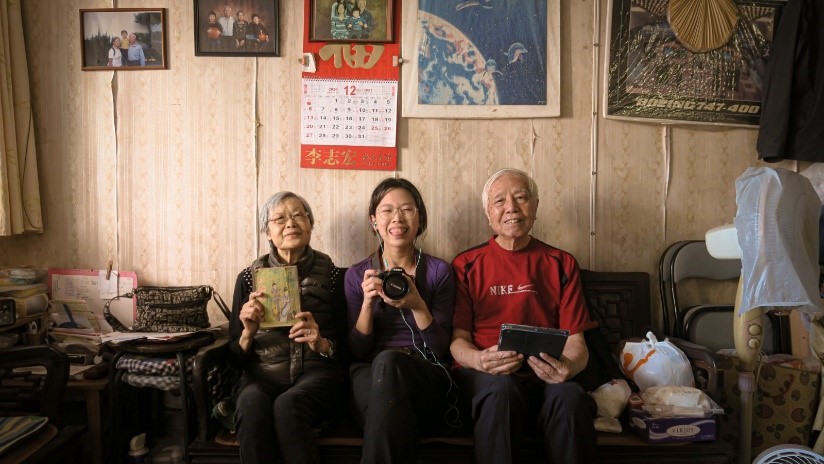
(671, 429)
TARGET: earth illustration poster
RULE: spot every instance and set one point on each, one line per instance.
(481, 59)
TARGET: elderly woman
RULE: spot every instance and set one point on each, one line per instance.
(399, 342)
(516, 278)
(290, 379)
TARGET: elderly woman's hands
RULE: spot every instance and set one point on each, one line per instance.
(251, 314)
(307, 331)
(497, 362)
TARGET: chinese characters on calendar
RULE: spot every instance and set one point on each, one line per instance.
(349, 124)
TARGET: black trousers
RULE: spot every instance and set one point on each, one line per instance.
(504, 406)
(277, 420)
(396, 396)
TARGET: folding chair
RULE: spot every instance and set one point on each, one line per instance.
(688, 265)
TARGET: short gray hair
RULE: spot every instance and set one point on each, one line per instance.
(273, 202)
(530, 182)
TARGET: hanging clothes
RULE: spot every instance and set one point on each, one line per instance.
(792, 106)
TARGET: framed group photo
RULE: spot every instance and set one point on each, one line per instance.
(351, 21)
(236, 27)
(128, 39)
(668, 63)
(464, 64)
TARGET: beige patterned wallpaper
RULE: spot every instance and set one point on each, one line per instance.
(163, 171)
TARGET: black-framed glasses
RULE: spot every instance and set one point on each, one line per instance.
(283, 219)
(388, 212)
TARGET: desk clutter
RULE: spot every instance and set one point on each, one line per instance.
(21, 296)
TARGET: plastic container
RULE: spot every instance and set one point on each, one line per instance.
(138, 452)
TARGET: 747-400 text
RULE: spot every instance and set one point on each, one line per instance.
(697, 105)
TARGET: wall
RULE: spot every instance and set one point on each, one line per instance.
(163, 171)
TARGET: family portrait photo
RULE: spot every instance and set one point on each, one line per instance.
(351, 21)
(123, 39)
(236, 27)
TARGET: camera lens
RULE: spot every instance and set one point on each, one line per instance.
(395, 285)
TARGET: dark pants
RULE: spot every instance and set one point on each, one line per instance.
(503, 406)
(277, 420)
(396, 396)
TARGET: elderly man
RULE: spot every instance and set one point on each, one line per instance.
(516, 278)
(135, 57)
(227, 33)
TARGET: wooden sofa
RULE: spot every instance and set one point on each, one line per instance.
(618, 300)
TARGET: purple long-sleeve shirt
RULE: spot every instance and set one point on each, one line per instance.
(436, 285)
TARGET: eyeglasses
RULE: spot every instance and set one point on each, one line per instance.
(388, 212)
(297, 217)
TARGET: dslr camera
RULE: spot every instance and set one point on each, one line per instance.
(395, 285)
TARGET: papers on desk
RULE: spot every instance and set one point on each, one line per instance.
(96, 288)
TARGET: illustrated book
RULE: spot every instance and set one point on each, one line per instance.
(281, 295)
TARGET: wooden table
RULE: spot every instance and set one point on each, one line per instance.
(91, 392)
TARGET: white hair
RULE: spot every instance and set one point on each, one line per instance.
(531, 186)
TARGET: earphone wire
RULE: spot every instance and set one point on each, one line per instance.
(452, 415)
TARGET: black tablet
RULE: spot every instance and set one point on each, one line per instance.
(529, 340)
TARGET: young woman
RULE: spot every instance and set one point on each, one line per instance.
(115, 55)
(399, 340)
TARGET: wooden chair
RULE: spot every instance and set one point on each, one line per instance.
(32, 382)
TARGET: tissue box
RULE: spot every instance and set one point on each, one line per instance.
(671, 429)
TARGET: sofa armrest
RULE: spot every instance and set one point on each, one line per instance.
(213, 380)
(706, 366)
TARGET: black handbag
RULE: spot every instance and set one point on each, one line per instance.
(169, 309)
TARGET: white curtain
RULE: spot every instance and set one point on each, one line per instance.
(20, 196)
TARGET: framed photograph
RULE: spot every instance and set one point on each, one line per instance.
(236, 27)
(127, 39)
(481, 59)
(351, 21)
(669, 64)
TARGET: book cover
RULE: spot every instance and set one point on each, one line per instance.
(74, 317)
(281, 295)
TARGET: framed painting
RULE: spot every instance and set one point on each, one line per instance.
(351, 21)
(481, 59)
(127, 39)
(668, 63)
(236, 27)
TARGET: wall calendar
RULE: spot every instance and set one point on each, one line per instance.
(349, 99)
(349, 112)
(349, 123)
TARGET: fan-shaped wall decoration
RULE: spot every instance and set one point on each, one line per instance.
(702, 25)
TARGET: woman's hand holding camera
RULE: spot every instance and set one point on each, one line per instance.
(394, 287)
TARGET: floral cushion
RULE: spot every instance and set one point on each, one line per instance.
(784, 407)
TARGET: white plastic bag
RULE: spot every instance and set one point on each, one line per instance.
(777, 227)
(650, 363)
